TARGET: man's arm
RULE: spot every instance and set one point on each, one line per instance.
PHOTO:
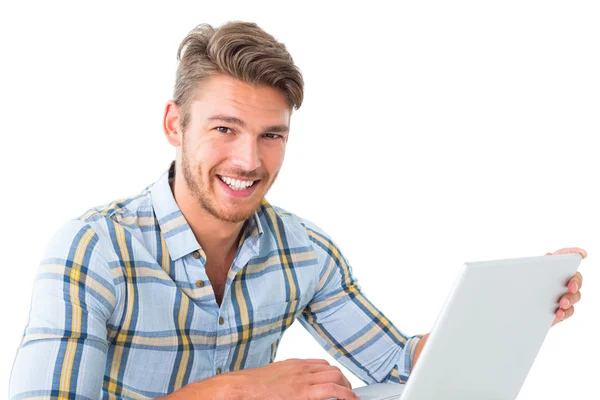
(349, 326)
(64, 347)
(289, 379)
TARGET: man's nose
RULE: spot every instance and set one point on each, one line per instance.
(245, 154)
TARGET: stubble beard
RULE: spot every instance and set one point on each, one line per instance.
(199, 191)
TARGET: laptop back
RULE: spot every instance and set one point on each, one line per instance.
(490, 329)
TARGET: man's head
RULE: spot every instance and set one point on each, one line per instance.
(235, 90)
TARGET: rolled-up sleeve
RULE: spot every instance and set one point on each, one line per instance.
(349, 326)
(64, 347)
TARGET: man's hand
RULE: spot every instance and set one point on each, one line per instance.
(573, 294)
(290, 379)
(311, 379)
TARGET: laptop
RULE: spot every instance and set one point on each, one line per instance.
(488, 333)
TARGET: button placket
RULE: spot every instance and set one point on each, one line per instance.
(222, 352)
(196, 275)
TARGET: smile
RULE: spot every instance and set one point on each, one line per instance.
(236, 184)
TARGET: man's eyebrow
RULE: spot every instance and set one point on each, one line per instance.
(277, 129)
(234, 120)
(228, 119)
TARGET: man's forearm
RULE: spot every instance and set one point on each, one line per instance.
(289, 379)
(219, 387)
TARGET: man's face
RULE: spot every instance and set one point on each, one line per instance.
(236, 132)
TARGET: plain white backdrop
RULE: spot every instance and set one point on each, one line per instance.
(431, 134)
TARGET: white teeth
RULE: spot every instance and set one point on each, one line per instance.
(236, 184)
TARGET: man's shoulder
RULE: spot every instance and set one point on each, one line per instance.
(119, 208)
(305, 228)
(127, 212)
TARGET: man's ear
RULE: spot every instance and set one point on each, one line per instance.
(171, 123)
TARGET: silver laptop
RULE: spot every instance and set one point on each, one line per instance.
(488, 333)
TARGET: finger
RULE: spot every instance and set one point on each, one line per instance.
(328, 390)
(569, 312)
(331, 376)
(569, 299)
(561, 314)
(569, 250)
(332, 369)
(316, 368)
(575, 283)
(558, 316)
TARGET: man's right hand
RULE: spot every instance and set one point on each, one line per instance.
(310, 379)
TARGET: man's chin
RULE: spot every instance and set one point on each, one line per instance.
(235, 218)
(236, 213)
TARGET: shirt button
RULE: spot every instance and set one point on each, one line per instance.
(196, 254)
(221, 320)
(199, 283)
(219, 371)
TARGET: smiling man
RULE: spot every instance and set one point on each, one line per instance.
(185, 290)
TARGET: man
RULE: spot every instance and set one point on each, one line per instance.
(185, 290)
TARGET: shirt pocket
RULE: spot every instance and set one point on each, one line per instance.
(271, 321)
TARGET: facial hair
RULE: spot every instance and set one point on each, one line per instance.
(199, 191)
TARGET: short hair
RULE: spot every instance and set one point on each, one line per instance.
(241, 50)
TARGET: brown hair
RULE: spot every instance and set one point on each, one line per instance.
(241, 50)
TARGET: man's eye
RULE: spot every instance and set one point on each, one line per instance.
(273, 135)
(223, 129)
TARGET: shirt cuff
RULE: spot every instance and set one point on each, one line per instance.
(411, 348)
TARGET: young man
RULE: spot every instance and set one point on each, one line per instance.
(185, 290)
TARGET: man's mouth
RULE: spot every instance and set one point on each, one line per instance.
(237, 183)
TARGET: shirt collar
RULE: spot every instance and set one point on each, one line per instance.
(174, 228)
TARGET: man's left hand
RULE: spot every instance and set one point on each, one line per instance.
(573, 295)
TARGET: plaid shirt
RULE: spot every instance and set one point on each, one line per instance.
(122, 306)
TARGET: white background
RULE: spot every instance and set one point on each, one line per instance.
(431, 134)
